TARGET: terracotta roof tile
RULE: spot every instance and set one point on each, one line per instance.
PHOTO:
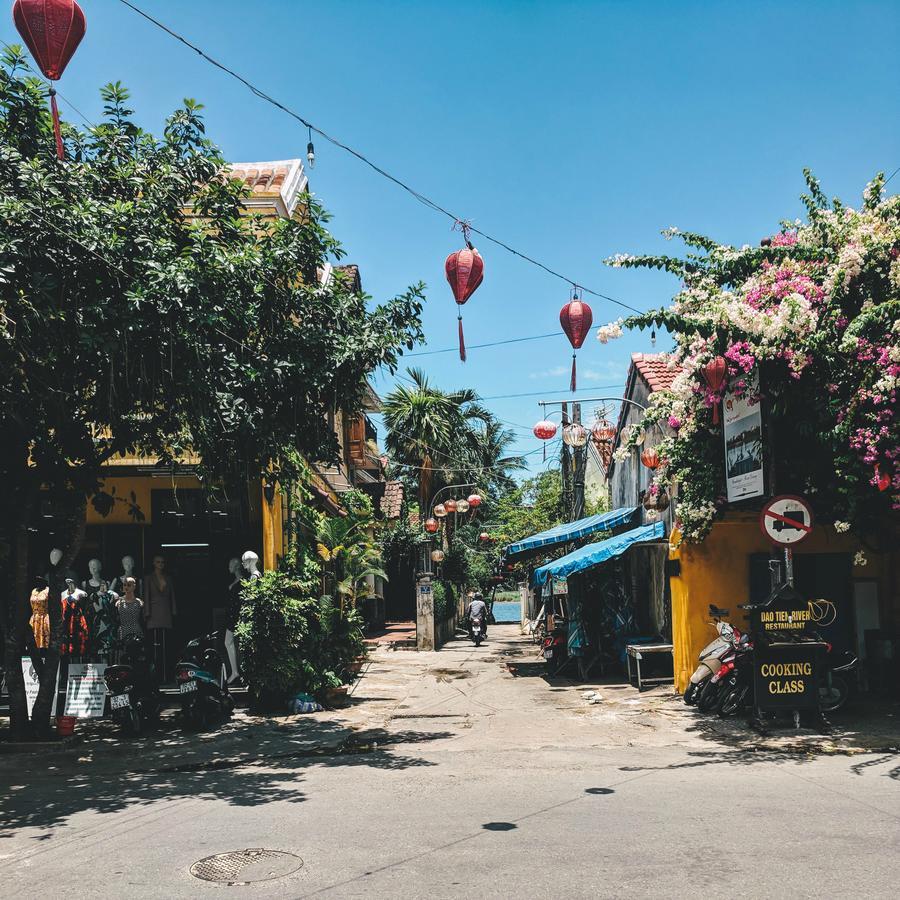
(654, 369)
(392, 500)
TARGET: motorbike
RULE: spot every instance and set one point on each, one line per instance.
(711, 655)
(476, 630)
(731, 688)
(132, 688)
(200, 676)
(833, 686)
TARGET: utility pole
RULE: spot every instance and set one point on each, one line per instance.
(578, 470)
(565, 460)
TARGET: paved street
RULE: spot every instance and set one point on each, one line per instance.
(464, 773)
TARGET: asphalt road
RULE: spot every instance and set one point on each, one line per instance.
(465, 779)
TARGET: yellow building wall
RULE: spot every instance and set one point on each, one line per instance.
(717, 571)
(141, 486)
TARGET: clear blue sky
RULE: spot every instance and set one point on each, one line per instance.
(570, 130)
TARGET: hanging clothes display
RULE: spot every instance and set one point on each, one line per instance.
(40, 618)
(104, 621)
(75, 627)
(130, 613)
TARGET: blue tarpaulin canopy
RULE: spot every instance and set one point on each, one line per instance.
(570, 531)
(594, 554)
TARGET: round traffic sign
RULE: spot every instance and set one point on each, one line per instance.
(787, 519)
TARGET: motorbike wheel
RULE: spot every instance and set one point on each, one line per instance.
(732, 702)
(833, 696)
(477, 641)
(709, 696)
(134, 723)
(692, 693)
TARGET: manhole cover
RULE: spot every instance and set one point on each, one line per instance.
(244, 866)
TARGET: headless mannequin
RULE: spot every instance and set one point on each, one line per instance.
(127, 572)
(232, 663)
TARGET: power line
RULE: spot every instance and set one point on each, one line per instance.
(422, 198)
(535, 337)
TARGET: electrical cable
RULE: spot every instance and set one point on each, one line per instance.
(422, 198)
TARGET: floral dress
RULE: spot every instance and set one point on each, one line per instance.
(105, 621)
(75, 627)
(40, 618)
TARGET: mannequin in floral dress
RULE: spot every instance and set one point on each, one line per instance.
(75, 627)
(105, 620)
(40, 616)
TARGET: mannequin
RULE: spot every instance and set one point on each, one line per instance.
(232, 665)
(75, 627)
(40, 617)
(104, 620)
(250, 562)
(159, 609)
(127, 572)
(55, 556)
(92, 584)
(130, 611)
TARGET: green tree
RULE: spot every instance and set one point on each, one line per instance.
(126, 324)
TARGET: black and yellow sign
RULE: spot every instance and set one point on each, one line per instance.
(791, 619)
(786, 676)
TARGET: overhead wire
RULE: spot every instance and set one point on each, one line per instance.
(418, 195)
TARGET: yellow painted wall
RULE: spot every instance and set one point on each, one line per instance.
(141, 485)
(718, 572)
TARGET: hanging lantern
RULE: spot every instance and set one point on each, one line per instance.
(640, 435)
(465, 272)
(575, 435)
(658, 501)
(474, 500)
(462, 506)
(437, 556)
(714, 374)
(52, 29)
(484, 537)
(432, 525)
(883, 480)
(450, 505)
(650, 458)
(576, 319)
(544, 430)
(603, 432)
(440, 510)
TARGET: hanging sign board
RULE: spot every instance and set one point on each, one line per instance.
(786, 676)
(33, 683)
(560, 586)
(786, 520)
(742, 425)
(86, 690)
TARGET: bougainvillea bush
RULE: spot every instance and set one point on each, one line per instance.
(811, 315)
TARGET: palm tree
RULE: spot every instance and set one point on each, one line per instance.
(491, 461)
(431, 431)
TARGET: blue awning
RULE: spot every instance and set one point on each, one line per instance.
(594, 554)
(570, 531)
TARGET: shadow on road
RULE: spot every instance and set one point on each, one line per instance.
(270, 768)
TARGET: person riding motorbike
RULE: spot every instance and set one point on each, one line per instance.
(477, 607)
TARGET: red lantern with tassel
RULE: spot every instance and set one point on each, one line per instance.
(576, 319)
(882, 479)
(52, 29)
(714, 373)
(465, 272)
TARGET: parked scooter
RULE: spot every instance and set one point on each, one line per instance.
(711, 655)
(729, 689)
(133, 690)
(201, 682)
(833, 686)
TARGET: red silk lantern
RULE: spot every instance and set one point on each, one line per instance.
(484, 537)
(714, 373)
(432, 525)
(576, 319)
(603, 431)
(650, 458)
(883, 479)
(544, 430)
(465, 271)
(450, 505)
(474, 500)
(52, 29)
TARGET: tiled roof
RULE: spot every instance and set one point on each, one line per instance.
(654, 369)
(392, 500)
(350, 274)
(283, 180)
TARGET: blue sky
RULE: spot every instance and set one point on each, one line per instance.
(572, 131)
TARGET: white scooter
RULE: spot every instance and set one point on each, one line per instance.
(711, 655)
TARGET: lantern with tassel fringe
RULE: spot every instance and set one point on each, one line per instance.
(52, 29)
(465, 271)
(576, 319)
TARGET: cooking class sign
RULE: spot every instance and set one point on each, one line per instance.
(785, 677)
